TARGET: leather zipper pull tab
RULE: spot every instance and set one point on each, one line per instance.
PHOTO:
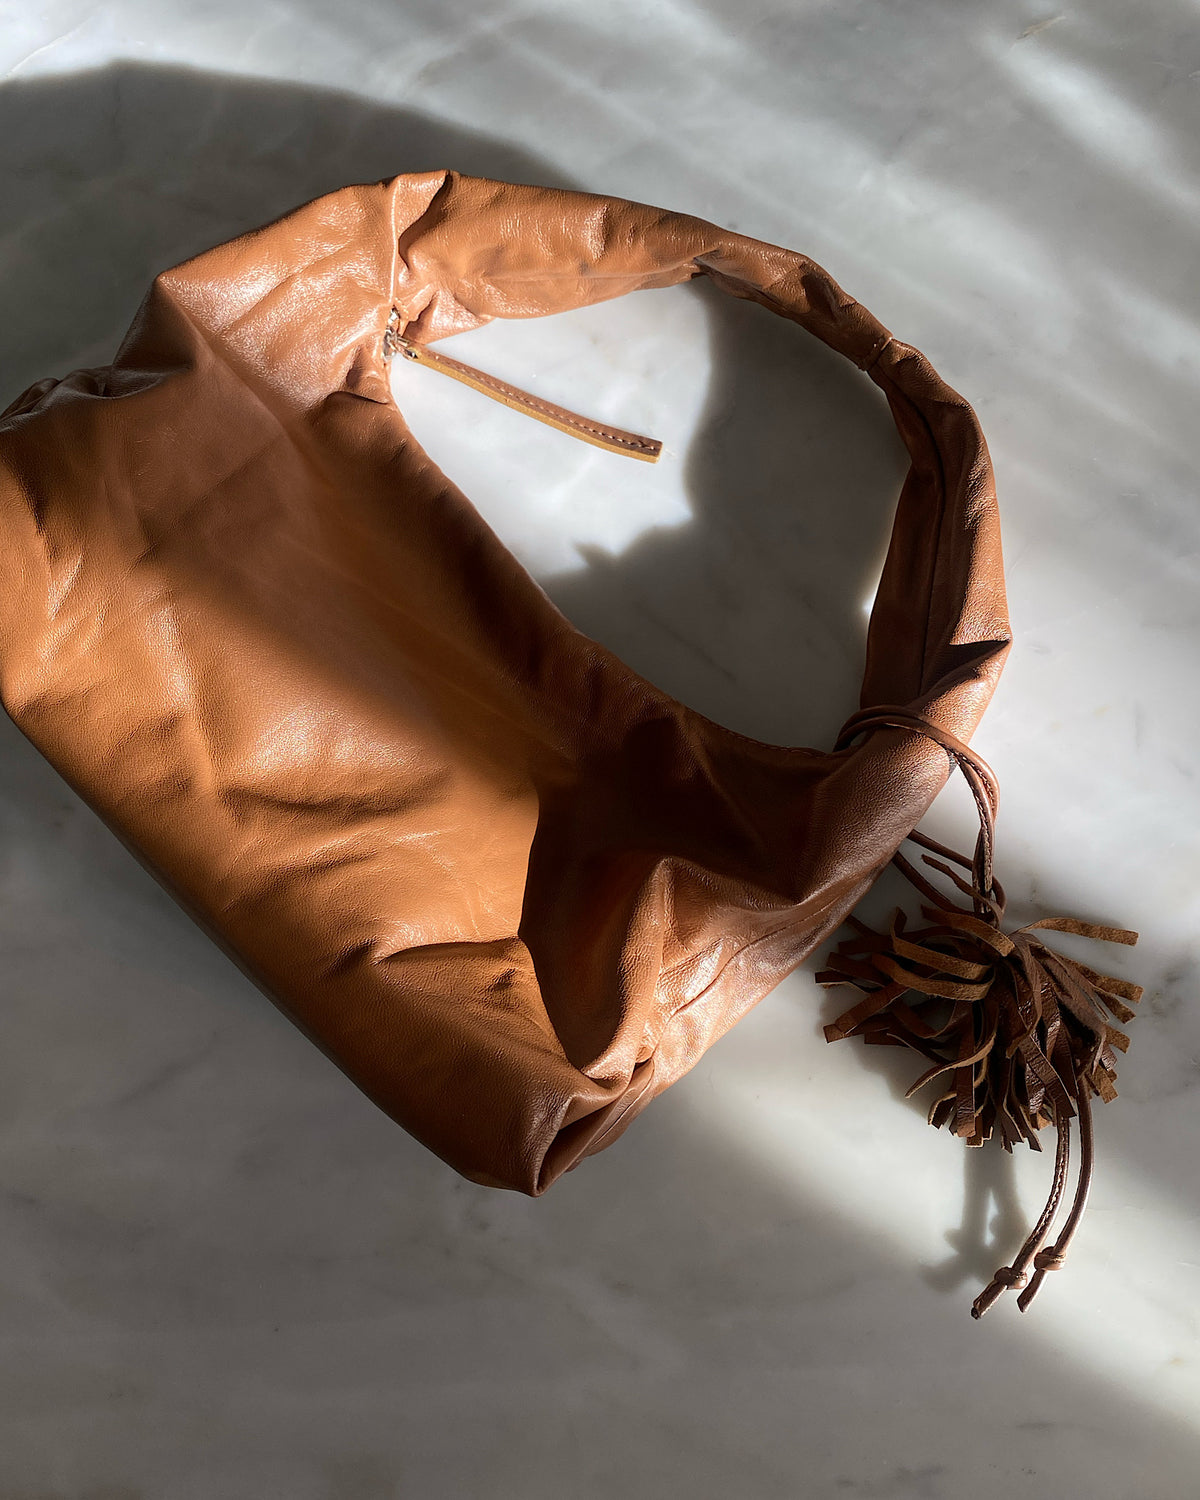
(615, 439)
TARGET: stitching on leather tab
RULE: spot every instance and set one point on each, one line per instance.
(559, 413)
(394, 343)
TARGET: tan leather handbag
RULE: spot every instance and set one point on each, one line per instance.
(510, 887)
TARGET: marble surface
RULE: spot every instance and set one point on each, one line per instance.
(225, 1275)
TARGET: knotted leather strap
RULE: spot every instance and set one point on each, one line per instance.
(978, 775)
(1022, 1031)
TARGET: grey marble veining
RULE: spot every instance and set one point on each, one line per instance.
(225, 1275)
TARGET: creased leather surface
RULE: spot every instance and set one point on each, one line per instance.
(509, 886)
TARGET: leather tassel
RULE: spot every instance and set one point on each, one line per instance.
(1017, 1035)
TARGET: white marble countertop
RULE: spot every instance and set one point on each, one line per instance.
(225, 1275)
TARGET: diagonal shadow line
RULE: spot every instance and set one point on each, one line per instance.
(123, 88)
(691, 1271)
(579, 606)
(105, 249)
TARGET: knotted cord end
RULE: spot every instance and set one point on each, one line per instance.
(1017, 1035)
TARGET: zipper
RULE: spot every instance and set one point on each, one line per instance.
(615, 439)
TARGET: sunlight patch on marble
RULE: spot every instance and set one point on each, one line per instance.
(898, 1183)
(1087, 107)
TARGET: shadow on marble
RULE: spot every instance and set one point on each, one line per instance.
(210, 1234)
(796, 465)
(212, 1238)
(793, 476)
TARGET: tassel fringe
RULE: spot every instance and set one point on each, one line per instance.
(1017, 1035)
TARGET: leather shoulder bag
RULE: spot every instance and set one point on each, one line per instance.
(509, 886)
